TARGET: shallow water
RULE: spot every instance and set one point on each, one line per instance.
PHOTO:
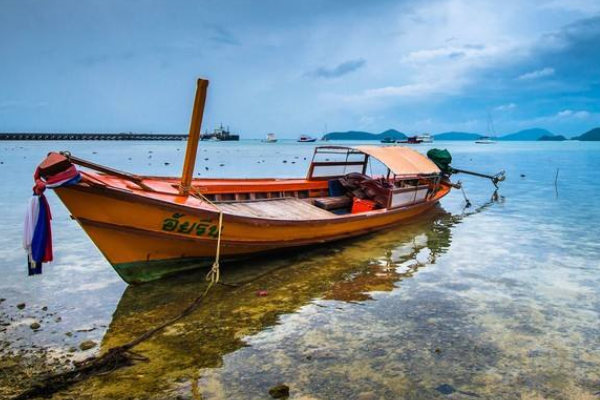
(496, 301)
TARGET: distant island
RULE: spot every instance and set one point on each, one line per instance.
(527, 135)
(534, 134)
(360, 135)
(552, 138)
(590, 136)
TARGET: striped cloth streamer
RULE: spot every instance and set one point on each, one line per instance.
(37, 234)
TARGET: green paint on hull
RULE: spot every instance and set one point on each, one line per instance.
(147, 271)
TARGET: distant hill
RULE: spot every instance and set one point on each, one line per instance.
(457, 136)
(590, 136)
(524, 135)
(553, 138)
(359, 135)
(527, 134)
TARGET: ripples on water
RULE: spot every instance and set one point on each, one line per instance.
(498, 301)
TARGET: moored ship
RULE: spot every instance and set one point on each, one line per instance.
(410, 140)
(306, 139)
(425, 138)
(220, 134)
(485, 140)
(270, 138)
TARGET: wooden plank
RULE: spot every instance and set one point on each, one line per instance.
(284, 209)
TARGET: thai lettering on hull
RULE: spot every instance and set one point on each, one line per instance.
(177, 223)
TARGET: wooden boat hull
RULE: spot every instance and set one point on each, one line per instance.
(147, 238)
(149, 227)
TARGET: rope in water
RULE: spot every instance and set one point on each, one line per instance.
(123, 355)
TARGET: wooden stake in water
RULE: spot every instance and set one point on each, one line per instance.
(556, 182)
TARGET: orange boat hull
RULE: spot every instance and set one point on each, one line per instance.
(148, 236)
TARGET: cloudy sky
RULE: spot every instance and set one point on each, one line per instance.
(296, 66)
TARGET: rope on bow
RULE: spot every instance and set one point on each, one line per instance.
(214, 274)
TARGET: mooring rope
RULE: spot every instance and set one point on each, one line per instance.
(123, 355)
(107, 362)
(467, 202)
(214, 274)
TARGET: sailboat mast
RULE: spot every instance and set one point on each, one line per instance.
(491, 129)
(194, 137)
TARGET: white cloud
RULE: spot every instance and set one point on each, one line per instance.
(409, 90)
(431, 66)
(562, 118)
(448, 52)
(424, 87)
(539, 73)
(506, 107)
(573, 114)
(445, 70)
(564, 113)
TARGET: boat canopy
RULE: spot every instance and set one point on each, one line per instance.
(334, 161)
(401, 160)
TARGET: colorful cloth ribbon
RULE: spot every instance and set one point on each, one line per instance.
(37, 235)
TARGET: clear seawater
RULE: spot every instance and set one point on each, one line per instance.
(500, 300)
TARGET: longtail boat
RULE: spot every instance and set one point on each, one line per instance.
(148, 227)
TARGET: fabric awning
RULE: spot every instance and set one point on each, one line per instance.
(401, 160)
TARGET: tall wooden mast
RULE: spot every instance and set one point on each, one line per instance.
(194, 137)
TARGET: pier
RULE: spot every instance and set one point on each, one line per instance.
(91, 136)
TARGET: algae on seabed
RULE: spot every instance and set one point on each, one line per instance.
(345, 271)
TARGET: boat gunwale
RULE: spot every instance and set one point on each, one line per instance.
(128, 196)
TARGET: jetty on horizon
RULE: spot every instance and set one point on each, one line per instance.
(92, 136)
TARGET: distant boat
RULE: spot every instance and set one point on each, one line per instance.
(306, 139)
(388, 140)
(425, 138)
(491, 130)
(270, 138)
(485, 140)
(411, 140)
(220, 134)
(324, 137)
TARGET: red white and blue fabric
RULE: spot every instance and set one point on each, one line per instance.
(70, 176)
(37, 234)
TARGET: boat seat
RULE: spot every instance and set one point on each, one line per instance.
(332, 203)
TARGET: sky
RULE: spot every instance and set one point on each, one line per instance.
(297, 67)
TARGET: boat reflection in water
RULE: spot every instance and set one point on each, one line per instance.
(347, 272)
